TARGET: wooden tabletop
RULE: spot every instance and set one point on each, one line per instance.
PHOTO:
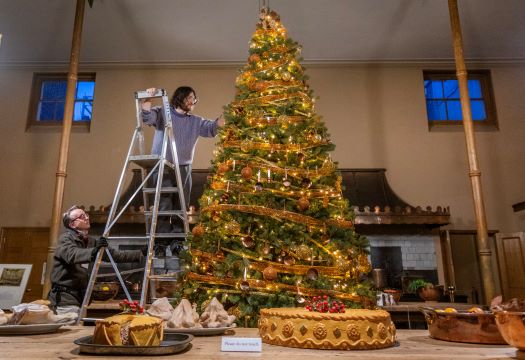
(412, 344)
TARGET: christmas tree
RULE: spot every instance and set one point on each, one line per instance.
(274, 228)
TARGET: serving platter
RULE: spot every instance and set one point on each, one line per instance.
(199, 331)
(30, 329)
(171, 344)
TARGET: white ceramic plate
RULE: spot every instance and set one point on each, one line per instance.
(199, 331)
(28, 329)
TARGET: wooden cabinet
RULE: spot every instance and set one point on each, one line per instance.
(511, 259)
(21, 245)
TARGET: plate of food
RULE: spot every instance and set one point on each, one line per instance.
(30, 329)
(184, 318)
(199, 331)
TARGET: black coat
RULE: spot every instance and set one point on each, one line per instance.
(71, 253)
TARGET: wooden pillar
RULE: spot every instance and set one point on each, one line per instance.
(61, 173)
(484, 253)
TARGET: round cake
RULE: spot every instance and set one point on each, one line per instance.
(128, 329)
(353, 329)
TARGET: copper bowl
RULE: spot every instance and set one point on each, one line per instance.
(105, 291)
(511, 324)
(462, 326)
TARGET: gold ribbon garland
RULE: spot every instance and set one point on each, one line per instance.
(275, 287)
(280, 214)
(260, 265)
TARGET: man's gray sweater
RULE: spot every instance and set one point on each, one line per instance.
(187, 129)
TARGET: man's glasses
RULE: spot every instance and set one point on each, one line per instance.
(83, 216)
(192, 100)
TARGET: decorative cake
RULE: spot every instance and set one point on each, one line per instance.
(129, 329)
(351, 329)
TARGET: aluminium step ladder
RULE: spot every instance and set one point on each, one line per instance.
(153, 167)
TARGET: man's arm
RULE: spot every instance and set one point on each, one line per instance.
(208, 128)
(150, 115)
(125, 255)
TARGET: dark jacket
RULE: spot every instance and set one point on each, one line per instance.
(68, 273)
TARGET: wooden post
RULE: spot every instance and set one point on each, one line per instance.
(64, 142)
(483, 244)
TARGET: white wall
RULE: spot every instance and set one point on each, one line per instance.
(376, 116)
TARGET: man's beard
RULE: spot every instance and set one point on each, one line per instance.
(186, 108)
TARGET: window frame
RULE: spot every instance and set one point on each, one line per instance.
(487, 93)
(36, 88)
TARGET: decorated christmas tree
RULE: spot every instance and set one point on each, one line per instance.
(274, 228)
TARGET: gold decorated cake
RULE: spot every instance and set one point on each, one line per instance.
(128, 329)
(352, 329)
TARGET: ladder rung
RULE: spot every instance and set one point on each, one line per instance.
(148, 161)
(162, 190)
(143, 94)
(166, 276)
(127, 237)
(164, 212)
(178, 235)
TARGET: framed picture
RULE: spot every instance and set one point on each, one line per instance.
(13, 282)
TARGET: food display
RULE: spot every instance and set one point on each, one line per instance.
(510, 319)
(129, 329)
(185, 315)
(37, 312)
(472, 326)
(342, 329)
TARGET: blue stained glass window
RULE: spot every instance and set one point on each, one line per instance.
(443, 98)
(52, 100)
(451, 89)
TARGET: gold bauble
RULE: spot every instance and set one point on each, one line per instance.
(232, 227)
(343, 265)
(198, 230)
(269, 273)
(303, 204)
(286, 76)
(303, 252)
(235, 311)
(247, 172)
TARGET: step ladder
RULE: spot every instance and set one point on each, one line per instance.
(153, 169)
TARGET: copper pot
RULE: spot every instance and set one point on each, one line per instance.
(430, 293)
(462, 326)
(511, 324)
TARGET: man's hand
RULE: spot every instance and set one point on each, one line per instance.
(101, 242)
(146, 104)
(220, 120)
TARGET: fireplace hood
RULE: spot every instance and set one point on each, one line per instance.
(367, 190)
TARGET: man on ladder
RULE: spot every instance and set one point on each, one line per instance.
(187, 129)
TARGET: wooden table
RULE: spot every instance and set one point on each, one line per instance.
(412, 344)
